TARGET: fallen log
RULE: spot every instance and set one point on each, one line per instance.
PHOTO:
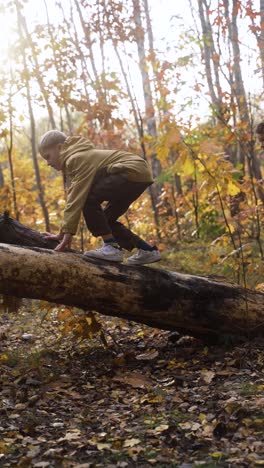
(199, 306)
(14, 232)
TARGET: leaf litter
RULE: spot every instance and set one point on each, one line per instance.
(144, 400)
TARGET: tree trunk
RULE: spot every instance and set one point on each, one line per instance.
(207, 49)
(239, 88)
(58, 72)
(2, 180)
(9, 145)
(149, 107)
(32, 122)
(258, 32)
(37, 70)
(97, 81)
(203, 307)
(85, 75)
(261, 38)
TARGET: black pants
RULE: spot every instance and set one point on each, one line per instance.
(119, 193)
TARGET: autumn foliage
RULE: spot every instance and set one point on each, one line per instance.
(99, 69)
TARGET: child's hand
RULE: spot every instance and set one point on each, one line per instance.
(65, 243)
(48, 235)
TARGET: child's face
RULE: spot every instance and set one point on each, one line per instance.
(51, 155)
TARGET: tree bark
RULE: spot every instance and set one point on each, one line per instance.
(59, 73)
(207, 49)
(261, 38)
(2, 180)
(9, 145)
(258, 31)
(103, 118)
(203, 307)
(149, 107)
(32, 121)
(85, 75)
(37, 70)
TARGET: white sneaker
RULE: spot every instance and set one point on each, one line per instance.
(107, 252)
(143, 257)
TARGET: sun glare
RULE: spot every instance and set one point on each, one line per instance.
(6, 27)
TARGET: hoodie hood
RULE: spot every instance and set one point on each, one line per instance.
(72, 145)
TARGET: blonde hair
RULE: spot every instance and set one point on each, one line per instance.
(51, 138)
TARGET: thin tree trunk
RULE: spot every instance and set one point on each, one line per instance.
(57, 68)
(102, 51)
(215, 58)
(97, 86)
(258, 32)
(239, 88)
(247, 149)
(158, 86)
(32, 124)
(129, 92)
(153, 61)
(149, 107)
(261, 39)
(37, 72)
(207, 56)
(85, 73)
(2, 180)
(9, 145)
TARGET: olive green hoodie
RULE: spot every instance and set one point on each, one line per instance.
(80, 161)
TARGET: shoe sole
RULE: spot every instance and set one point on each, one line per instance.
(104, 258)
(144, 263)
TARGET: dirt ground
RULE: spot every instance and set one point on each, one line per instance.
(145, 399)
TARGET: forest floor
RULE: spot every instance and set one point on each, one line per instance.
(146, 399)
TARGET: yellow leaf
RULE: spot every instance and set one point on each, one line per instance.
(162, 152)
(216, 454)
(4, 358)
(188, 167)
(232, 188)
(102, 446)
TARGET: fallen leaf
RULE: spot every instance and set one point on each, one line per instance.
(4, 358)
(70, 436)
(103, 446)
(131, 442)
(148, 356)
(207, 376)
(135, 379)
(161, 428)
(41, 464)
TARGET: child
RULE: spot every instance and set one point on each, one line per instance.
(98, 175)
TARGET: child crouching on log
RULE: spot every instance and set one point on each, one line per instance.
(98, 175)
